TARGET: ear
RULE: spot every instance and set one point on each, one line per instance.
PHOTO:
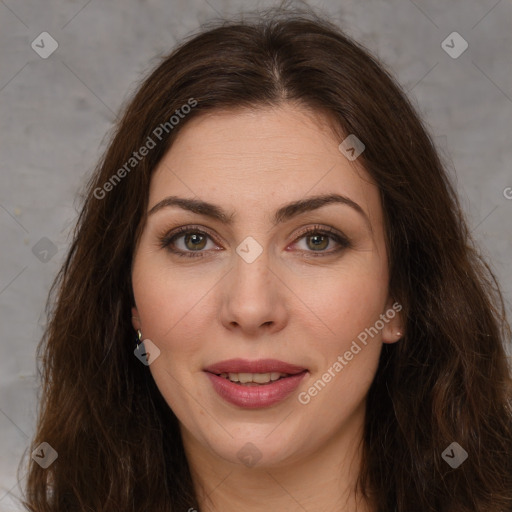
(394, 325)
(135, 319)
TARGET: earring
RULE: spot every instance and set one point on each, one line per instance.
(399, 333)
(139, 337)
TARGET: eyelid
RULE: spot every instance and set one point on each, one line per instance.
(323, 230)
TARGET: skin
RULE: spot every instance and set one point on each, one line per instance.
(287, 304)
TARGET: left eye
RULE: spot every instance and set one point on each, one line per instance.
(317, 241)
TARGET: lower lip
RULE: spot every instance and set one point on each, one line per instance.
(253, 397)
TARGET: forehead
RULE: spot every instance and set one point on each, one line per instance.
(242, 157)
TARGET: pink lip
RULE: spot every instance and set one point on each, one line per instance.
(259, 366)
(257, 396)
(253, 397)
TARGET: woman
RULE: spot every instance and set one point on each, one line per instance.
(272, 301)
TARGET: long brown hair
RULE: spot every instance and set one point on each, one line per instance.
(447, 380)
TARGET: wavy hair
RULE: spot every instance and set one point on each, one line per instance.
(118, 442)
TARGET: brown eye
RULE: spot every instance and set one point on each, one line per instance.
(318, 242)
(318, 239)
(186, 241)
(195, 241)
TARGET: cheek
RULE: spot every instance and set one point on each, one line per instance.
(349, 300)
(161, 296)
(348, 355)
(172, 306)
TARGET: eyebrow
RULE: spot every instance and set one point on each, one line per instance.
(284, 213)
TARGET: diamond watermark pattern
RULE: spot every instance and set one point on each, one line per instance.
(455, 455)
(44, 455)
(351, 147)
(44, 250)
(249, 454)
(249, 249)
(454, 45)
(44, 45)
(146, 352)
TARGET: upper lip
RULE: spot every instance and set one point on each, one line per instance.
(258, 366)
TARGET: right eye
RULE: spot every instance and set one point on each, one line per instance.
(193, 243)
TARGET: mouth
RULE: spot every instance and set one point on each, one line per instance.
(253, 384)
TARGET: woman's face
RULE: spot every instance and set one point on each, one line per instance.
(248, 283)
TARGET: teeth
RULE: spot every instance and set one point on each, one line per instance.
(257, 378)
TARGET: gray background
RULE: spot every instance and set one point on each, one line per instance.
(55, 112)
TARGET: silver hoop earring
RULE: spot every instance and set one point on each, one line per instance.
(139, 337)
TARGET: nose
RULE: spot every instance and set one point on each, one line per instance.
(254, 298)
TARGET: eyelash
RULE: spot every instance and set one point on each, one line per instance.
(168, 239)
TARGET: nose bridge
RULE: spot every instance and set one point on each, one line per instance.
(251, 267)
